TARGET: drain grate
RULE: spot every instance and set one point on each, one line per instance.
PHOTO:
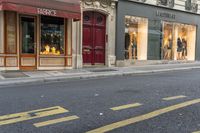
(103, 70)
(14, 75)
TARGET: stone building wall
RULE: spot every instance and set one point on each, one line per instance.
(108, 8)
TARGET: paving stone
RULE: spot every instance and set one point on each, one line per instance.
(55, 73)
(14, 75)
(37, 74)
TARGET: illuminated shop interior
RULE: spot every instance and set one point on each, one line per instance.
(178, 41)
(136, 38)
(52, 36)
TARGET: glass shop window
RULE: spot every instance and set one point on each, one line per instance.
(136, 38)
(167, 44)
(28, 35)
(52, 36)
(178, 41)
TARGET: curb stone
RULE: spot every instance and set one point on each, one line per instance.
(22, 81)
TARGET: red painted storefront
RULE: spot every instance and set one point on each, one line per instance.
(62, 8)
(37, 33)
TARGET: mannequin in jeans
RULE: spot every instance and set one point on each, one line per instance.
(184, 54)
(134, 48)
(169, 49)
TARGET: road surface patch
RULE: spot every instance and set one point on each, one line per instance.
(174, 97)
(126, 106)
(24, 116)
(143, 117)
(56, 121)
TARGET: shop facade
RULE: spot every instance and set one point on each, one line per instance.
(37, 34)
(151, 33)
(98, 28)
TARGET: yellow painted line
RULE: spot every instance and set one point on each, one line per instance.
(55, 121)
(196, 132)
(173, 98)
(126, 106)
(140, 118)
(19, 117)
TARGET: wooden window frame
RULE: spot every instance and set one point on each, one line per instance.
(5, 33)
(5, 63)
(26, 55)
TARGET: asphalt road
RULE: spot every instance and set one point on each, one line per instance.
(149, 103)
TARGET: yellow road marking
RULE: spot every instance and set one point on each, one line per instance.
(55, 121)
(140, 118)
(196, 132)
(19, 117)
(126, 106)
(173, 98)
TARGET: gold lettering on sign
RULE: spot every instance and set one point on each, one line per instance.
(48, 12)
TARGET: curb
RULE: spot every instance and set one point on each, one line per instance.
(8, 82)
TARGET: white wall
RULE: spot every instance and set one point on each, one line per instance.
(176, 35)
(76, 47)
(110, 46)
(191, 37)
(142, 40)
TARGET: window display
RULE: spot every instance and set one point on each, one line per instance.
(167, 41)
(136, 31)
(178, 41)
(52, 36)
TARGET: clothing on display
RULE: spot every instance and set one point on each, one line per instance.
(135, 37)
(175, 41)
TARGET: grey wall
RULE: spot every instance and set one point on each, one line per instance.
(147, 11)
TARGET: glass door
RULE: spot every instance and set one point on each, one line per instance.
(28, 40)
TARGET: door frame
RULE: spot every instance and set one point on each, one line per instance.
(21, 55)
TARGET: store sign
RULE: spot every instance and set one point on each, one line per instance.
(48, 12)
(165, 14)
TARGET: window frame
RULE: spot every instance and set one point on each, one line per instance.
(6, 35)
(169, 3)
(2, 34)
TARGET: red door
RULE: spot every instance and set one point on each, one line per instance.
(94, 32)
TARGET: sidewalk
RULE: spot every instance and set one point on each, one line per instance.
(18, 77)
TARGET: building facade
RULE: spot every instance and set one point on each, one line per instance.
(157, 30)
(66, 34)
(75, 34)
(37, 34)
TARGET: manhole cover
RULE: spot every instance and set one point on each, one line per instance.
(14, 75)
(103, 70)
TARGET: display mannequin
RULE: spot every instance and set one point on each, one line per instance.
(169, 49)
(179, 48)
(165, 54)
(134, 47)
(184, 54)
(127, 41)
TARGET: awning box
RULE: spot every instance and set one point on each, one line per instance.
(56, 8)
